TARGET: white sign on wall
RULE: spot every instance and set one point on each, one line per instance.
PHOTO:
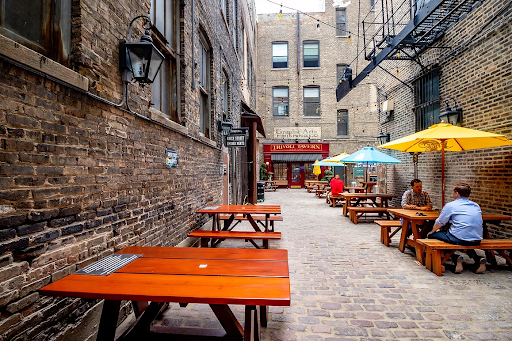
(298, 133)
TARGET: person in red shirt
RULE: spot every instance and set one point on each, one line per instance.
(337, 185)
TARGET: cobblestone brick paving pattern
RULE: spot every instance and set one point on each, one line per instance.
(346, 285)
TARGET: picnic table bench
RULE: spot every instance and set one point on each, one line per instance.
(334, 199)
(385, 229)
(435, 248)
(270, 185)
(217, 236)
(357, 212)
(257, 218)
(323, 191)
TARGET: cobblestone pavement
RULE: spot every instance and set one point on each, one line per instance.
(346, 285)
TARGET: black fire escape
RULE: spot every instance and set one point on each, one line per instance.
(402, 30)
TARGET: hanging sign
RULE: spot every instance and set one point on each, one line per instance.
(171, 157)
(236, 140)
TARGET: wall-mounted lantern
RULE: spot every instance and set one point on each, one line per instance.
(142, 58)
(451, 116)
(383, 138)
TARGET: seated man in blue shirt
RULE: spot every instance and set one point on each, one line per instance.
(466, 228)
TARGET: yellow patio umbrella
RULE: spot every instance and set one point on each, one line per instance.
(444, 136)
(316, 170)
(336, 158)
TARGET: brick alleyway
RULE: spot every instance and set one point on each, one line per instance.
(346, 285)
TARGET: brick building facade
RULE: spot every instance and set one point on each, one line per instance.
(82, 176)
(316, 45)
(473, 68)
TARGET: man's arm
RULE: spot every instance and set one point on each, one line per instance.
(428, 203)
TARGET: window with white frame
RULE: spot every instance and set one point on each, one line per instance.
(341, 22)
(311, 53)
(164, 15)
(342, 122)
(279, 55)
(42, 26)
(312, 101)
(280, 101)
(204, 88)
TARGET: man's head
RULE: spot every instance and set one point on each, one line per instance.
(416, 186)
(461, 188)
(337, 176)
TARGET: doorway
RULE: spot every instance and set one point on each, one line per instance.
(295, 176)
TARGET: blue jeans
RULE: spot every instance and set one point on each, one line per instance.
(447, 237)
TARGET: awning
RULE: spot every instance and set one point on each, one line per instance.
(296, 157)
(249, 116)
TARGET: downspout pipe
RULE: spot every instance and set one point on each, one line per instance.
(298, 42)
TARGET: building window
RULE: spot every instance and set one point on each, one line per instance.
(164, 15)
(340, 69)
(342, 122)
(312, 101)
(372, 4)
(204, 88)
(280, 101)
(280, 171)
(43, 26)
(311, 54)
(426, 100)
(341, 22)
(224, 96)
(279, 55)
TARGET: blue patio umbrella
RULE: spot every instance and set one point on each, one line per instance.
(369, 155)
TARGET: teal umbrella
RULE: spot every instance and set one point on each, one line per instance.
(369, 155)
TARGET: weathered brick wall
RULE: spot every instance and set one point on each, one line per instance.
(476, 72)
(81, 179)
(360, 102)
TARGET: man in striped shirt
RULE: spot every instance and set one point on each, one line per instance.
(415, 198)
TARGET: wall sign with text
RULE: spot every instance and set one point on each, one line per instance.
(171, 157)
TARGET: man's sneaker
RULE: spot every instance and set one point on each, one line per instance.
(458, 265)
(481, 267)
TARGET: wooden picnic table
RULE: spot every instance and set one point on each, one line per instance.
(359, 197)
(412, 217)
(233, 210)
(217, 277)
(368, 185)
(270, 185)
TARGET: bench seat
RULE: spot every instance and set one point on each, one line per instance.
(435, 249)
(385, 229)
(357, 212)
(221, 235)
(257, 218)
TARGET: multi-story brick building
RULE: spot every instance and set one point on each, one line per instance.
(83, 168)
(468, 65)
(301, 58)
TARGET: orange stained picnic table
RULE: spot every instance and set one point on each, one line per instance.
(247, 210)
(384, 198)
(217, 277)
(416, 220)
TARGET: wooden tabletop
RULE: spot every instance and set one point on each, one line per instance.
(429, 215)
(183, 275)
(241, 209)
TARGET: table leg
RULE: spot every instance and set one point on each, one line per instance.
(417, 247)
(253, 223)
(263, 315)
(252, 328)
(228, 320)
(108, 320)
(403, 236)
(140, 328)
(140, 306)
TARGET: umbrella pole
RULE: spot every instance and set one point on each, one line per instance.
(442, 171)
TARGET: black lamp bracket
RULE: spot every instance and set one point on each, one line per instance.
(147, 25)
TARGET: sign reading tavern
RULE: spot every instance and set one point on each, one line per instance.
(295, 147)
(298, 133)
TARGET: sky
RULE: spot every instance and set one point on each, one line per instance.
(264, 6)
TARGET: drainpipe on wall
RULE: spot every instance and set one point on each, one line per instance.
(298, 43)
(193, 58)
